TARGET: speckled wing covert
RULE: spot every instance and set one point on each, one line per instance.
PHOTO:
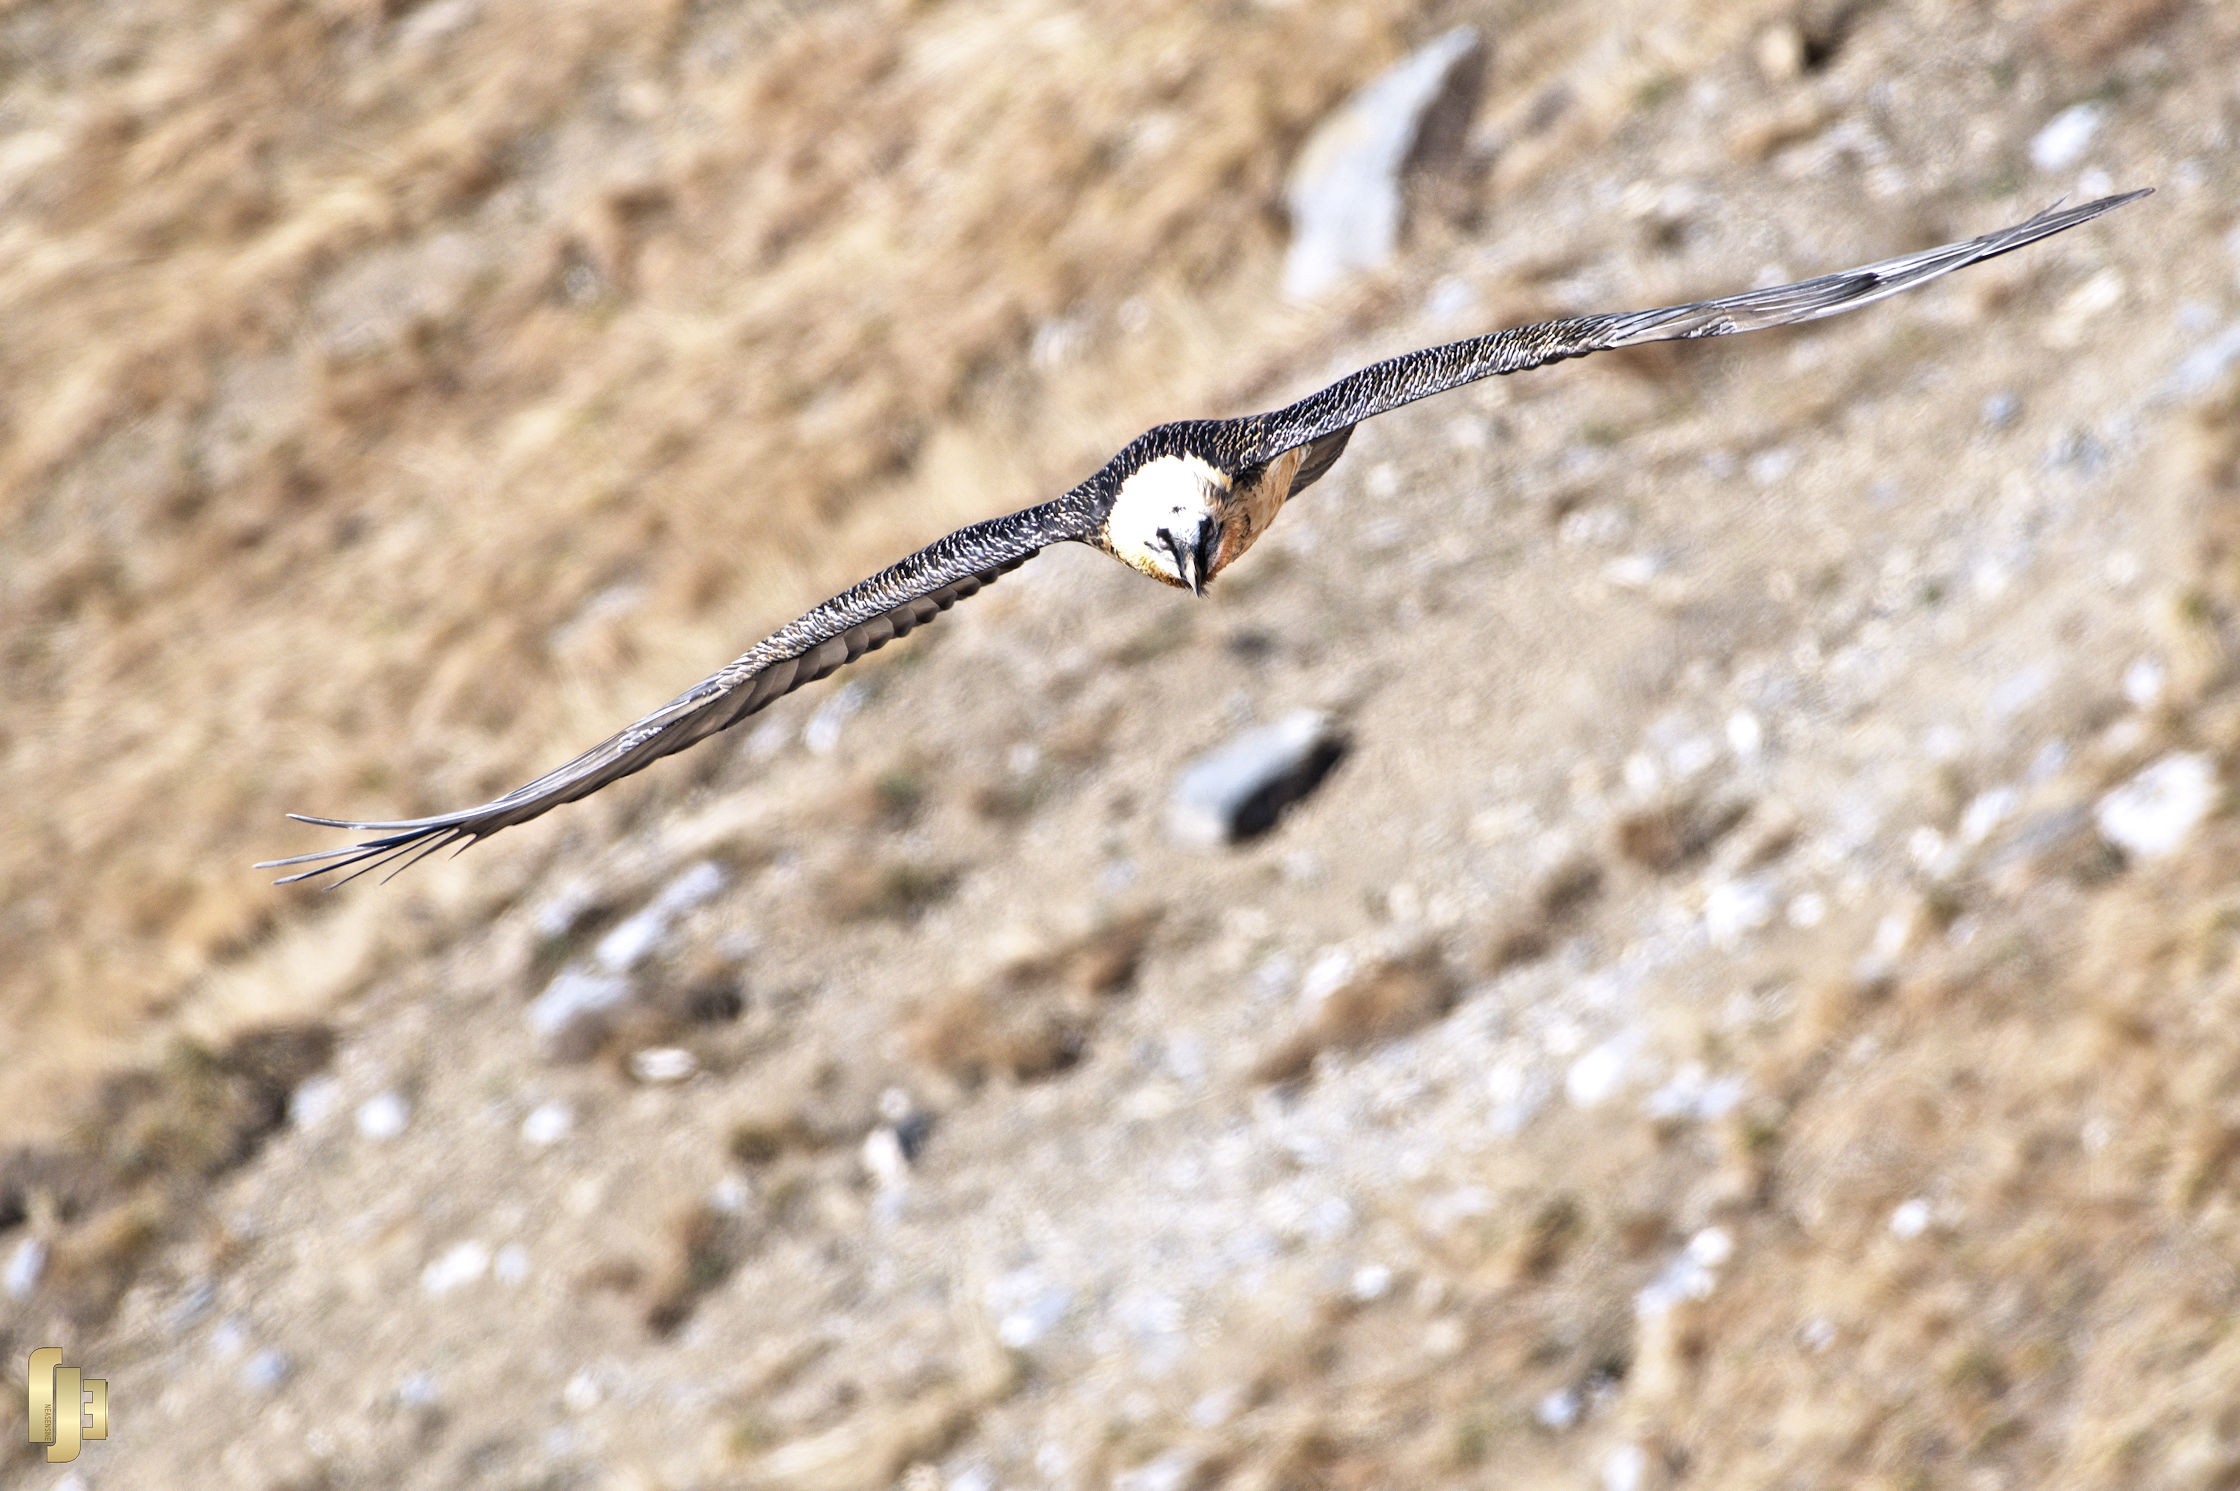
(1384, 386)
(861, 619)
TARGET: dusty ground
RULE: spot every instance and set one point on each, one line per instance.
(1698, 1036)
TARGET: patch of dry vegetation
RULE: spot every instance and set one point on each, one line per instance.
(405, 394)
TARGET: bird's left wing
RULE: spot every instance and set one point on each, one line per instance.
(1384, 386)
(860, 619)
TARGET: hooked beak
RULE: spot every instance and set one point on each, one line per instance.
(1194, 554)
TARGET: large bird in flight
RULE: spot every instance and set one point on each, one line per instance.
(1180, 503)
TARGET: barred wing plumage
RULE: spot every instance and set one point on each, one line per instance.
(861, 619)
(1385, 386)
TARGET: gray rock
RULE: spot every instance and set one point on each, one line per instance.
(384, 1116)
(547, 1124)
(2155, 812)
(1239, 789)
(630, 941)
(1344, 192)
(25, 1266)
(267, 1371)
(2067, 136)
(576, 1011)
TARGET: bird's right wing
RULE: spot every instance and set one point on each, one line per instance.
(861, 619)
(1384, 386)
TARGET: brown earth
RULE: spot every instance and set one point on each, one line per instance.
(1697, 1036)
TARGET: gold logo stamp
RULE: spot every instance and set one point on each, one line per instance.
(67, 1407)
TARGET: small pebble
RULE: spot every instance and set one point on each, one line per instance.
(547, 1124)
(266, 1371)
(582, 1394)
(1985, 812)
(383, 1116)
(1559, 1410)
(663, 1064)
(1371, 1282)
(573, 1015)
(1733, 909)
(1027, 1307)
(417, 1391)
(459, 1265)
(1173, 1471)
(822, 734)
(1910, 1218)
(884, 1159)
(2143, 682)
(1625, 1468)
(511, 1266)
(25, 1266)
(1746, 737)
(229, 1338)
(632, 940)
(2066, 137)
(1596, 1077)
(314, 1102)
(2155, 812)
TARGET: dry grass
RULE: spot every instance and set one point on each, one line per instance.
(1033, 1016)
(1387, 999)
(405, 395)
(134, 1169)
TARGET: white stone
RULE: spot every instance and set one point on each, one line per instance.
(658, 1065)
(1371, 1282)
(1625, 1468)
(1027, 1307)
(511, 1266)
(383, 1116)
(822, 734)
(1733, 909)
(1559, 1410)
(2066, 137)
(1172, 1471)
(547, 1124)
(314, 1102)
(571, 1016)
(885, 1160)
(2143, 682)
(1746, 737)
(267, 1371)
(453, 1269)
(1909, 1219)
(630, 941)
(1985, 812)
(1596, 1076)
(582, 1393)
(25, 1267)
(2156, 811)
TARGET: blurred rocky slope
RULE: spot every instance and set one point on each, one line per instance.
(1754, 1002)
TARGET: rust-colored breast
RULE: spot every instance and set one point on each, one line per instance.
(1249, 510)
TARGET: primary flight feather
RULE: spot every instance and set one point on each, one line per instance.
(1180, 503)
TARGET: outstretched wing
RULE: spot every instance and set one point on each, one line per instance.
(1386, 385)
(861, 619)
